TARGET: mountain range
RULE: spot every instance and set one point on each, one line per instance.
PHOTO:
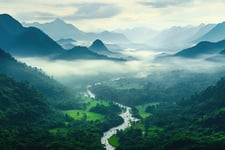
(172, 39)
(79, 52)
(54, 29)
(210, 41)
(97, 51)
(211, 51)
(203, 48)
(176, 38)
(31, 41)
(19, 40)
(215, 34)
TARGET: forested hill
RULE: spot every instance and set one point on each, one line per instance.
(210, 102)
(27, 122)
(20, 103)
(192, 124)
(58, 95)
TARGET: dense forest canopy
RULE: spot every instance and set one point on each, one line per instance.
(57, 94)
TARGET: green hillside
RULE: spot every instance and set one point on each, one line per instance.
(192, 124)
(57, 95)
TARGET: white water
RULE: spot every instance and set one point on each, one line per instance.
(89, 93)
(127, 117)
(127, 120)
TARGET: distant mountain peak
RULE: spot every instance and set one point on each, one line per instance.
(6, 16)
(201, 49)
(98, 45)
(98, 42)
(57, 20)
(217, 33)
(7, 22)
(22, 41)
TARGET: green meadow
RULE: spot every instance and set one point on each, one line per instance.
(114, 141)
(85, 113)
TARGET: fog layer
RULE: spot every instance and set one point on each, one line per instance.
(144, 65)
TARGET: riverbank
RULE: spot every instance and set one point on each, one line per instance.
(127, 117)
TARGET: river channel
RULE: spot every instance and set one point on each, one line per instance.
(127, 120)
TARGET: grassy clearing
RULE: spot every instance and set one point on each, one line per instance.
(92, 103)
(85, 113)
(82, 114)
(114, 141)
(141, 109)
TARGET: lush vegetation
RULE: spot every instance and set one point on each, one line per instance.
(114, 141)
(158, 87)
(28, 122)
(20, 103)
(111, 115)
(194, 123)
(83, 115)
(141, 110)
(170, 117)
(56, 94)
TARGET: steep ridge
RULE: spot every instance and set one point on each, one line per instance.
(215, 34)
(202, 48)
(56, 93)
(22, 41)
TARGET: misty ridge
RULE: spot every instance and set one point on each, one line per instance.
(154, 52)
(106, 55)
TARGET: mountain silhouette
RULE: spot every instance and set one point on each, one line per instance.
(203, 48)
(215, 34)
(176, 37)
(99, 47)
(66, 43)
(54, 29)
(81, 52)
(22, 41)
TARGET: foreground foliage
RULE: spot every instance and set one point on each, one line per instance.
(195, 123)
(28, 122)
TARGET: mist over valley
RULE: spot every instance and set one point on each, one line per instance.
(102, 76)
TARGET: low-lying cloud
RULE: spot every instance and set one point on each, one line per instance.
(142, 67)
(60, 69)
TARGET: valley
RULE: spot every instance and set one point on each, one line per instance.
(142, 75)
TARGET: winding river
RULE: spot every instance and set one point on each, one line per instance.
(127, 119)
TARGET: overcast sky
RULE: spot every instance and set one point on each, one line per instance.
(94, 15)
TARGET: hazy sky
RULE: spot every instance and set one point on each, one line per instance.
(95, 15)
